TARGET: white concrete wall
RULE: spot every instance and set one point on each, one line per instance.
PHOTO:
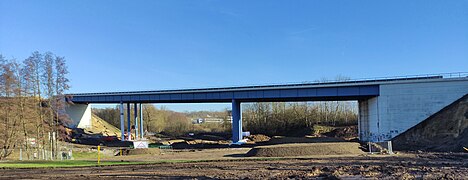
(80, 114)
(367, 113)
(401, 106)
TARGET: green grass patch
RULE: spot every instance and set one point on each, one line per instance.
(85, 155)
(87, 163)
(80, 163)
(65, 163)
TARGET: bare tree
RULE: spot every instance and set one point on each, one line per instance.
(8, 106)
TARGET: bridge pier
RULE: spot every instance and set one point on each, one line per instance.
(122, 121)
(135, 113)
(129, 133)
(236, 121)
(142, 132)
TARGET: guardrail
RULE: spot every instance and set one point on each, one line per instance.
(292, 84)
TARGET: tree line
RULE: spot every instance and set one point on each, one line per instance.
(31, 103)
(270, 118)
(155, 119)
(280, 118)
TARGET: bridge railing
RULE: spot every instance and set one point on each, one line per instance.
(339, 80)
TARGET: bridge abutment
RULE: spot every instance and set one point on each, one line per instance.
(401, 106)
(80, 114)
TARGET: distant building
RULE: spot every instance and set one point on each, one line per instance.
(209, 119)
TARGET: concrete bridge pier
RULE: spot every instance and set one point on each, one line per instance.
(236, 121)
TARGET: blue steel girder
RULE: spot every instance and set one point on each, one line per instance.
(357, 92)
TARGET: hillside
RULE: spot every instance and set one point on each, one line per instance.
(446, 130)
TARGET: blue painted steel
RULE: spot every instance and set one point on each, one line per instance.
(122, 122)
(129, 133)
(141, 122)
(356, 92)
(236, 121)
(135, 113)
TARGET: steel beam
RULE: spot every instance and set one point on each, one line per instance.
(236, 121)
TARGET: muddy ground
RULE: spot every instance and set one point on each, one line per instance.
(402, 166)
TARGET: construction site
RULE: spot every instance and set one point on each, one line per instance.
(425, 151)
(152, 89)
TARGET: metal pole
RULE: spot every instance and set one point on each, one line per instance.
(122, 121)
(50, 145)
(135, 113)
(129, 134)
(141, 122)
(99, 155)
(54, 148)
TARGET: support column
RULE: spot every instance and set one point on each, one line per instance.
(129, 133)
(141, 121)
(363, 120)
(135, 113)
(122, 121)
(236, 121)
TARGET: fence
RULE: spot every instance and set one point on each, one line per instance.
(380, 147)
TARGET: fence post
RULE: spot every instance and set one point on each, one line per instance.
(389, 147)
(98, 154)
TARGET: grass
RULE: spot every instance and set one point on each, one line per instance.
(65, 163)
(85, 155)
(87, 163)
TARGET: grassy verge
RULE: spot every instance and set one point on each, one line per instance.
(87, 163)
(66, 163)
(93, 163)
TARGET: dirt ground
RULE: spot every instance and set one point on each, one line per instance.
(401, 166)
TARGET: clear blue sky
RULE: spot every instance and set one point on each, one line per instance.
(147, 45)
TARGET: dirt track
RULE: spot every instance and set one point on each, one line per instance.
(409, 166)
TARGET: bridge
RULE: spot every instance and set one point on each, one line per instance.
(387, 106)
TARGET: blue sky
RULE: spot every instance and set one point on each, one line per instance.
(150, 45)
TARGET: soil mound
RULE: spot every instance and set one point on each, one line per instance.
(306, 149)
(99, 125)
(258, 138)
(348, 132)
(296, 140)
(149, 151)
(446, 130)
